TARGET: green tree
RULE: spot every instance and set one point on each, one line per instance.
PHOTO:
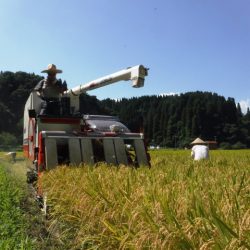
(7, 139)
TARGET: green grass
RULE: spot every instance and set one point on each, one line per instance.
(13, 233)
(177, 204)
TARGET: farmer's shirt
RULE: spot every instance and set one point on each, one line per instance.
(50, 89)
(200, 152)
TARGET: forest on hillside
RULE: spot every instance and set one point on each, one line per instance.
(167, 121)
(174, 121)
(14, 91)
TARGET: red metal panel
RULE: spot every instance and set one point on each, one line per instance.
(40, 152)
(26, 150)
(31, 138)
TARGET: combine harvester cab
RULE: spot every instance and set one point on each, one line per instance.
(72, 138)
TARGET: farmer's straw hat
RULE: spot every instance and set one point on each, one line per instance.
(198, 141)
(51, 69)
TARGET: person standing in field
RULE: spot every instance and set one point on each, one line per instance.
(199, 150)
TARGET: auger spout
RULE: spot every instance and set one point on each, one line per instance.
(136, 74)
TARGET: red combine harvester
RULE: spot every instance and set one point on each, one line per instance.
(73, 138)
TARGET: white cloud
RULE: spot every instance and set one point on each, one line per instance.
(244, 104)
(168, 94)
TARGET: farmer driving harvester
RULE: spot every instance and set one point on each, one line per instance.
(50, 90)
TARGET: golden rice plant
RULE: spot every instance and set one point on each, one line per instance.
(177, 204)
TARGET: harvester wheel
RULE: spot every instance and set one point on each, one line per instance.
(31, 176)
(42, 203)
(45, 206)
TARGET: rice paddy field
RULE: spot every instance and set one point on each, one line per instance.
(176, 204)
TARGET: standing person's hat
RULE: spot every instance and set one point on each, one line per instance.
(51, 69)
(198, 141)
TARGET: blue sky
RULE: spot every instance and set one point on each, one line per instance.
(188, 45)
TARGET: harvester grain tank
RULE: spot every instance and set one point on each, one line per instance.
(70, 137)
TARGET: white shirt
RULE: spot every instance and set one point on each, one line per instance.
(200, 152)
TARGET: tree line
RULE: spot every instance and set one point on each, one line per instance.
(14, 91)
(174, 121)
(167, 121)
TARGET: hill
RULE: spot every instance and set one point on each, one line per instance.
(174, 121)
(14, 91)
(169, 121)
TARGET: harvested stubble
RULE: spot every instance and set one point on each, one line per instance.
(177, 204)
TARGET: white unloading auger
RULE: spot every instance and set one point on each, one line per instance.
(136, 74)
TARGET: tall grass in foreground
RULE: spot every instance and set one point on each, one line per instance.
(13, 233)
(177, 204)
